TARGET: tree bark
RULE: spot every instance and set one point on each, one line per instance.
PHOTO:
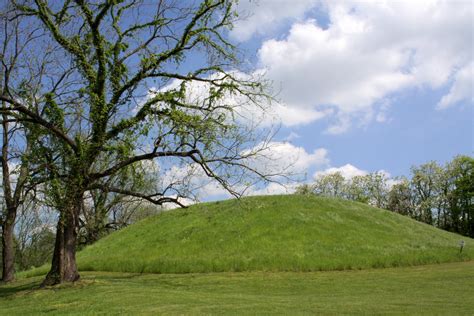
(8, 251)
(64, 267)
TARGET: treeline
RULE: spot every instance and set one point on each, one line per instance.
(439, 195)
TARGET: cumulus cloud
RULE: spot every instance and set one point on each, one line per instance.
(273, 189)
(348, 171)
(258, 111)
(349, 69)
(277, 158)
(370, 51)
(263, 16)
(292, 116)
(284, 156)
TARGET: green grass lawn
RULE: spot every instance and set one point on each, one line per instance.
(444, 289)
(269, 252)
(273, 233)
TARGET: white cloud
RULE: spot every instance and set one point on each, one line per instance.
(277, 157)
(273, 189)
(462, 88)
(291, 116)
(263, 16)
(191, 181)
(254, 112)
(370, 51)
(292, 159)
(348, 171)
(258, 112)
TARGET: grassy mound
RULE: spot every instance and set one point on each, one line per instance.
(273, 233)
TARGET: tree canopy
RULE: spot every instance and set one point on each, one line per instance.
(112, 81)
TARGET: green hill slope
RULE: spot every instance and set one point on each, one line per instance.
(273, 233)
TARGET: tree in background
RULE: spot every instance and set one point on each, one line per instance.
(460, 199)
(442, 196)
(109, 81)
(426, 182)
(103, 212)
(34, 237)
(304, 189)
(400, 198)
(16, 149)
(332, 184)
(357, 189)
(371, 188)
(377, 189)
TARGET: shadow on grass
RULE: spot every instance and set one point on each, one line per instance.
(7, 290)
(25, 286)
(112, 276)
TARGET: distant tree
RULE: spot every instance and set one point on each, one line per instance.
(332, 184)
(460, 214)
(400, 198)
(304, 189)
(377, 189)
(442, 196)
(426, 189)
(357, 189)
(103, 211)
(33, 236)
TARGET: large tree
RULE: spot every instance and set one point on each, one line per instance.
(132, 81)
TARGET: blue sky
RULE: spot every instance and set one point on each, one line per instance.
(377, 85)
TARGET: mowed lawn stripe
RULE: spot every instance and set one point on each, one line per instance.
(432, 289)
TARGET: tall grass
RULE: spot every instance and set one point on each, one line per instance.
(273, 233)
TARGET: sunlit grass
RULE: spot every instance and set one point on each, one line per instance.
(273, 233)
(275, 243)
(444, 289)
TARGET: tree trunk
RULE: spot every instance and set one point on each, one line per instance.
(8, 251)
(64, 267)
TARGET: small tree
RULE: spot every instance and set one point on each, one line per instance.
(304, 189)
(34, 236)
(426, 188)
(400, 198)
(332, 184)
(357, 189)
(377, 189)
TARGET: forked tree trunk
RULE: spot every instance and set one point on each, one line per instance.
(8, 251)
(64, 267)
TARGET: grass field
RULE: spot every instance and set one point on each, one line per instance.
(263, 255)
(273, 233)
(444, 289)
